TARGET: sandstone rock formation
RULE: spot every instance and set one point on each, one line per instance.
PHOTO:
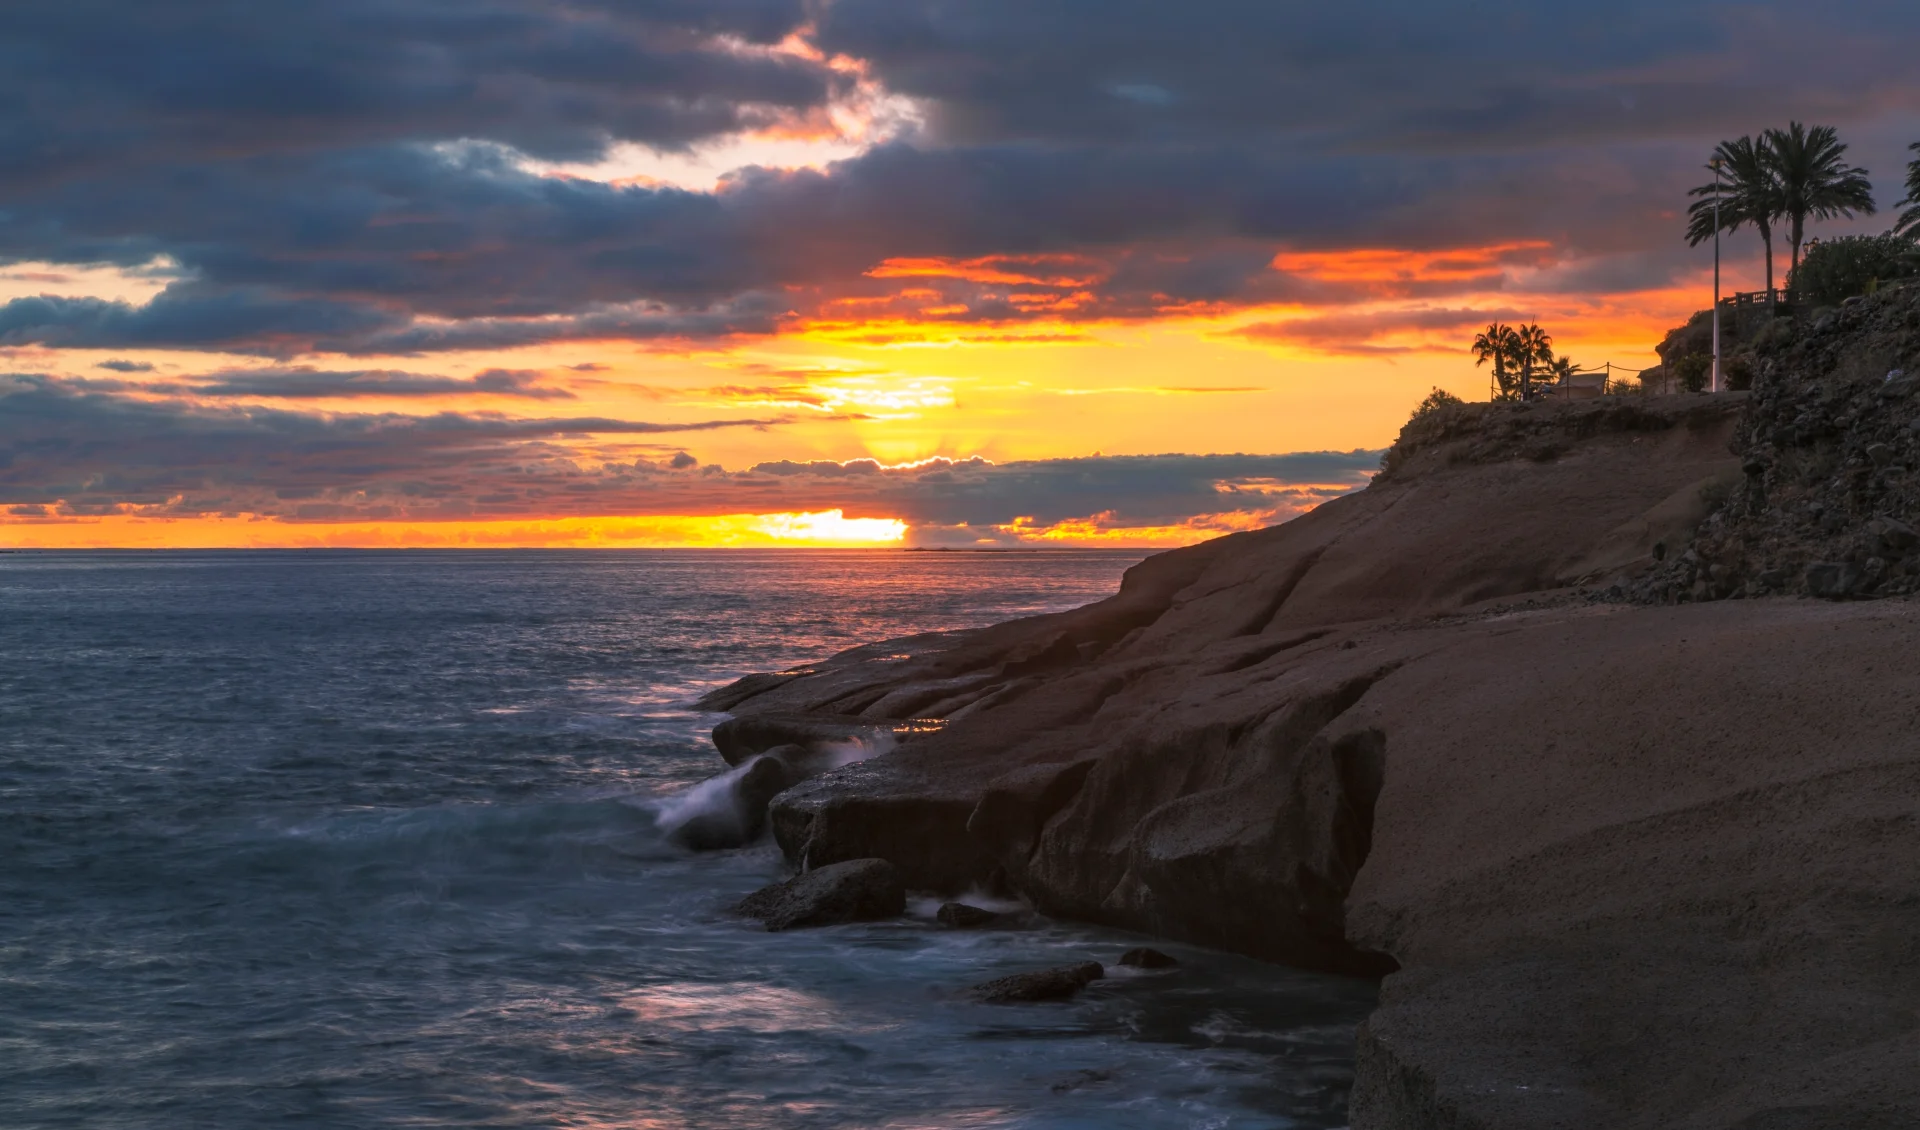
(1624, 865)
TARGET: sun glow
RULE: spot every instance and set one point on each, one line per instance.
(818, 530)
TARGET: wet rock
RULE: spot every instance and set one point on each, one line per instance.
(1146, 957)
(1055, 984)
(859, 890)
(960, 916)
(1081, 1078)
(740, 738)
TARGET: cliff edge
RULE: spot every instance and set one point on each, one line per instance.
(1621, 864)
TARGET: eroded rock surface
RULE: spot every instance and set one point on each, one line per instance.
(1623, 865)
(1171, 760)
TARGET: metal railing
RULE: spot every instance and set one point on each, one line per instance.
(1778, 296)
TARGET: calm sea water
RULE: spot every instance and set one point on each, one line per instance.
(367, 840)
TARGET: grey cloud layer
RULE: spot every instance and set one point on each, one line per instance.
(315, 384)
(1476, 76)
(90, 85)
(87, 447)
(337, 177)
(90, 445)
(329, 175)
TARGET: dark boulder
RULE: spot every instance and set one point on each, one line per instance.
(1834, 580)
(1892, 536)
(961, 916)
(1055, 984)
(1144, 957)
(859, 890)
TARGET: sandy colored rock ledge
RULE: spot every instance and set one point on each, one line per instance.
(1622, 865)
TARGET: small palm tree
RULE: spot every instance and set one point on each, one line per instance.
(1910, 219)
(1815, 179)
(1496, 345)
(1748, 192)
(1531, 346)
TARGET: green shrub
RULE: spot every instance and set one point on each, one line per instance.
(1739, 373)
(1774, 335)
(1690, 373)
(1835, 270)
(1436, 400)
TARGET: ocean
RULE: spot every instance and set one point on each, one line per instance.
(373, 839)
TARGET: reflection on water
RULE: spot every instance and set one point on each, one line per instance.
(366, 840)
(736, 1005)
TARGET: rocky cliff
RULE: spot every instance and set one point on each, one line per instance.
(1622, 865)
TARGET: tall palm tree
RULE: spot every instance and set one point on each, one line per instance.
(1815, 179)
(1748, 192)
(1910, 219)
(1496, 344)
(1531, 346)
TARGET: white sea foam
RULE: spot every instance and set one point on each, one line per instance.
(715, 796)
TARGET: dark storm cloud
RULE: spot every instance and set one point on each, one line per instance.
(347, 177)
(91, 85)
(84, 449)
(253, 320)
(332, 253)
(315, 384)
(1399, 73)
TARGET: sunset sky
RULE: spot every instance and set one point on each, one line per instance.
(813, 272)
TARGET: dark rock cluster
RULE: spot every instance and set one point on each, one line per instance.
(1829, 503)
(858, 890)
(1055, 984)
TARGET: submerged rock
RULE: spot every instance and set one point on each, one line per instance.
(961, 916)
(859, 890)
(1145, 957)
(1055, 984)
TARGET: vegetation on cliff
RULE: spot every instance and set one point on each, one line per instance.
(1830, 452)
(1785, 176)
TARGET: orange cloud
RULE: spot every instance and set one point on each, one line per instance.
(1382, 266)
(1103, 529)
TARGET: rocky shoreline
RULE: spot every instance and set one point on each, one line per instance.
(1626, 853)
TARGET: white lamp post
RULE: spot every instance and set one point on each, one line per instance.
(1716, 163)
